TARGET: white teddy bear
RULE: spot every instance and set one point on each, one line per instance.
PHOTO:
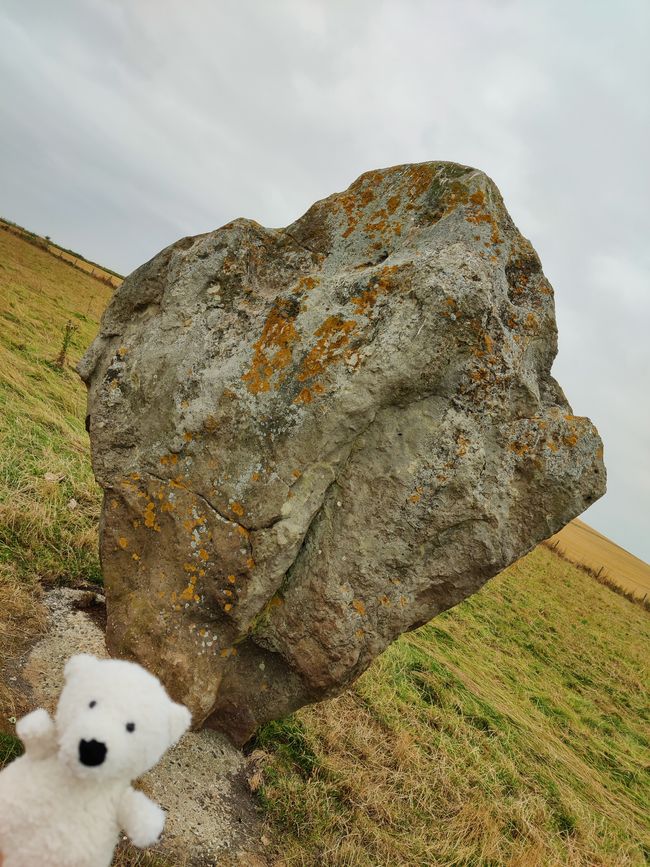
(63, 803)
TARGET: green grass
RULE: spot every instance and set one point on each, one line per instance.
(47, 528)
(10, 748)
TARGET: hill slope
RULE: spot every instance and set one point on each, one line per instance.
(584, 545)
(510, 730)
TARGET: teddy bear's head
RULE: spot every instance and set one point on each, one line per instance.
(114, 720)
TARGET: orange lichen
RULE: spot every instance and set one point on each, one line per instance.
(150, 517)
(272, 352)
(203, 554)
(334, 335)
(237, 508)
(418, 179)
(359, 607)
(231, 579)
(382, 285)
(552, 445)
(356, 199)
(570, 440)
(304, 396)
(250, 563)
(477, 214)
(255, 477)
(135, 557)
(169, 460)
(188, 594)
(305, 284)
(461, 445)
(123, 543)
(518, 448)
(392, 204)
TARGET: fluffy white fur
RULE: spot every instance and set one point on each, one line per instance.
(63, 803)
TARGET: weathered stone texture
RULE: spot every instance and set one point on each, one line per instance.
(312, 439)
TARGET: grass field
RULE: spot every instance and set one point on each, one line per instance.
(584, 545)
(111, 278)
(512, 730)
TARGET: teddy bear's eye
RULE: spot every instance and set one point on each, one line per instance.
(92, 703)
(130, 727)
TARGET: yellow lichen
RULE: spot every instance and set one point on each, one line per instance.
(334, 335)
(359, 607)
(272, 352)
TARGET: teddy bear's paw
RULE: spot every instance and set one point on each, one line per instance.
(35, 726)
(146, 822)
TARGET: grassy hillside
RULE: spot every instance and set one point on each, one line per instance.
(513, 730)
(49, 503)
(111, 278)
(583, 545)
(44, 469)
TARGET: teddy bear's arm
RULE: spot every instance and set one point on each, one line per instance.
(37, 732)
(142, 820)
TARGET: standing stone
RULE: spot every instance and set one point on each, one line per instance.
(312, 439)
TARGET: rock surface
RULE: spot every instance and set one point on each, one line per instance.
(312, 439)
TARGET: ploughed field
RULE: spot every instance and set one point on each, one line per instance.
(513, 729)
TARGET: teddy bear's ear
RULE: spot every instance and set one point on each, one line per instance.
(179, 721)
(77, 664)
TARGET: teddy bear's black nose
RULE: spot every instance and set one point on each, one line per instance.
(91, 753)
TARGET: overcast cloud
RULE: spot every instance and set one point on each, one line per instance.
(127, 124)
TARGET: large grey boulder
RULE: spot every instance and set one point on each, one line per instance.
(312, 439)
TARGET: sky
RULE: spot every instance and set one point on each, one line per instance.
(126, 124)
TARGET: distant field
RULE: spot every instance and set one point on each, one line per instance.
(109, 277)
(511, 731)
(584, 545)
